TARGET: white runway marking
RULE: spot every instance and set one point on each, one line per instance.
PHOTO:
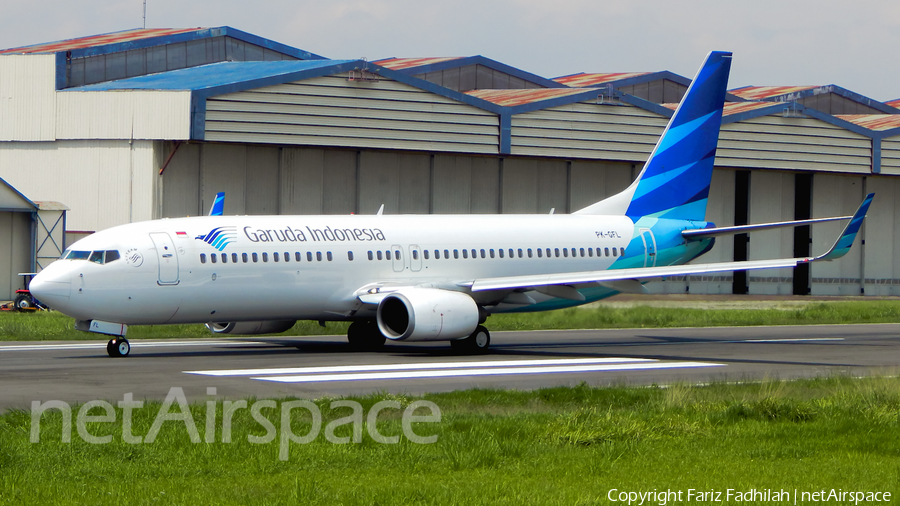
(450, 369)
(134, 344)
(797, 340)
(415, 366)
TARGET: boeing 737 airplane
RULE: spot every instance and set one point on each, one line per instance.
(413, 277)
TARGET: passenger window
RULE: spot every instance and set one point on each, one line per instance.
(202, 258)
(387, 255)
(287, 256)
(590, 252)
(566, 252)
(255, 257)
(492, 252)
(437, 254)
(309, 256)
(456, 254)
(318, 256)
(539, 250)
(574, 253)
(621, 252)
(111, 256)
(511, 254)
(482, 253)
(397, 254)
(234, 258)
(465, 253)
(214, 258)
(614, 251)
(474, 254)
(548, 252)
(500, 251)
(556, 250)
(379, 254)
(520, 252)
(244, 257)
(350, 256)
(415, 255)
(265, 257)
(96, 257)
(607, 251)
(582, 252)
(447, 254)
(370, 256)
(275, 256)
(425, 252)
(328, 256)
(297, 256)
(224, 258)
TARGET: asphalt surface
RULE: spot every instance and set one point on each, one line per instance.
(309, 367)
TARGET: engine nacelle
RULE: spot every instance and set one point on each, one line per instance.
(263, 327)
(427, 314)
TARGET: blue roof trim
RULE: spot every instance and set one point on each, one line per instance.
(487, 62)
(833, 88)
(505, 133)
(876, 155)
(17, 192)
(756, 113)
(61, 76)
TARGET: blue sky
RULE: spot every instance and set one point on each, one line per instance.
(776, 42)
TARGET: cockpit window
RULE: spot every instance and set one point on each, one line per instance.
(112, 255)
(78, 255)
(96, 257)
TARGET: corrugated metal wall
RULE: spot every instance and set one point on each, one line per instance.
(838, 195)
(771, 199)
(104, 183)
(882, 229)
(775, 142)
(27, 97)
(587, 131)
(333, 111)
(15, 252)
(123, 115)
(890, 155)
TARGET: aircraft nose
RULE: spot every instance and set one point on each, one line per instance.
(52, 288)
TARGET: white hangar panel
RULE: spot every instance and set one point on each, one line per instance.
(334, 111)
(587, 130)
(882, 231)
(890, 156)
(775, 142)
(127, 114)
(27, 97)
(835, 195)
(771, 200)
(104, 183)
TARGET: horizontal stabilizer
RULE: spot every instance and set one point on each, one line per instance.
(843, 243)
(703, 233)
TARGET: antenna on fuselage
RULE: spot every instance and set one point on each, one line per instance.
(380, 210)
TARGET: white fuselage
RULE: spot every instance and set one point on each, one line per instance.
(300, 267)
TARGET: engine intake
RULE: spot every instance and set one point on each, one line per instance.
(427, 314)
(263, 327)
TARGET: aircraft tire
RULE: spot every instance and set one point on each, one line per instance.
(118, 347)
(477, 342)
(363, 335)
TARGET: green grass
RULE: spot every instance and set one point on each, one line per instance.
(56, 326)
(553, 446)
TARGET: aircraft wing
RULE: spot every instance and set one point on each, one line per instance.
(839, 249)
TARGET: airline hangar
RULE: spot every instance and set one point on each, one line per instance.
(151, 123)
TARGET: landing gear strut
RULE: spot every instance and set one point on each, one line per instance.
(364, 335)
(118, 347)
(477, 342)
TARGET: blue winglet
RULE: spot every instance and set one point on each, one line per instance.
(218, 205)
(842, 245)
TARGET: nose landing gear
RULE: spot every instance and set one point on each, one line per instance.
(118, 347)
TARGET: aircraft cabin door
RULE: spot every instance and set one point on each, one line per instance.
(168, 259)
(397, 258)
(649, 247)
(415, 258)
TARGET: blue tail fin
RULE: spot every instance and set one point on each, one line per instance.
(218, 206)
(675, 180)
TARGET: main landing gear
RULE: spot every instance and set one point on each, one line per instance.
(363, 335)
(118, 347)
(478, 342)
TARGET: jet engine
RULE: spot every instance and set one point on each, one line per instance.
(263, 327)
(427, 314)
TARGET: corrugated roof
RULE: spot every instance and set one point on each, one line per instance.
(585, 80)
(511, 98)
(872, 121)
(894, 103)
(215, 74)
(405, 63)
(98, 40)
(764, 92)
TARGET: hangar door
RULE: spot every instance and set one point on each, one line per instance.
(16, 243)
